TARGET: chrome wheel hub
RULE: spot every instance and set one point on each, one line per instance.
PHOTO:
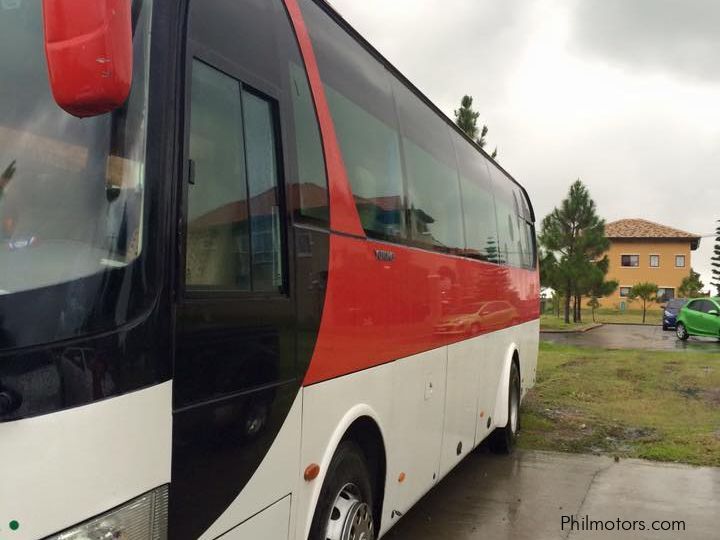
(350, 517)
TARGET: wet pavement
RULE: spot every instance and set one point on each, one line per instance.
(525, 496)
(627, 336)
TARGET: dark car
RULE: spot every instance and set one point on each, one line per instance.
(671, 311)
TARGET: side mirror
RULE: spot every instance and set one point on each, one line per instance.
(88, 45)
(713, 312)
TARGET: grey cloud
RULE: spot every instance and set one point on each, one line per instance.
(446, 48)
(677, 36)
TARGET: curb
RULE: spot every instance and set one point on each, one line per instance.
(632, 324)
(570, 331)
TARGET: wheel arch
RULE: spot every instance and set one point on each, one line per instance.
(362, 425)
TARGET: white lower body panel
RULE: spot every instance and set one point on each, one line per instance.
(60, 469)
(432, 409)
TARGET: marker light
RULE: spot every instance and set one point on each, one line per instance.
(144, 518)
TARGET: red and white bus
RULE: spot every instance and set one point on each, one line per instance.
(253, 284)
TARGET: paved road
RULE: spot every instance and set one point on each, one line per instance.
(626, 336)
(523, 497)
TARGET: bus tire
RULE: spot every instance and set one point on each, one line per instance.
(503, 439)
(344, 510)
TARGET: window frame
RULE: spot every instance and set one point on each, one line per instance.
(260, 88)
(664, 299)
(620, 291)
(657, 257)
(684, 259)
(622, 255)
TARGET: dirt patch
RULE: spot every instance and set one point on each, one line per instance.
(626, 374)
(576, 362)
(671, 367)
(712, 396)
(690, 392)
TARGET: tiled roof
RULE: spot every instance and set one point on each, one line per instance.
(642, 228)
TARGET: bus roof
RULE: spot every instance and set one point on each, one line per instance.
(339, 19)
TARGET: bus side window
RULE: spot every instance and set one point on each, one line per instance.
(234, 239)
(432, 176)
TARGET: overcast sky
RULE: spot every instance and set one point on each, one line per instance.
(624, 94)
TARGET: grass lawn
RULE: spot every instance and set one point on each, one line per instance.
(606, 315)
(663, 406)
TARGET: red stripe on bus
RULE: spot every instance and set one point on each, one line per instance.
(403, 301)
(343, 214)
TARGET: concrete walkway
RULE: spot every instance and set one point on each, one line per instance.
(627, 336)
(525, 496)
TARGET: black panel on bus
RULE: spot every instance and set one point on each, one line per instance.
(243, 343)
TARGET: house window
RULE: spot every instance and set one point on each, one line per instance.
(625, 292)
(632, 261)
(665, 294)
(654, 261)
(679, 261)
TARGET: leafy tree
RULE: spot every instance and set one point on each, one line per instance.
(716, 261)
(575, 235)
(594, 303)
(646, 292)
(548, 269)
(466, 118)
(691, 286)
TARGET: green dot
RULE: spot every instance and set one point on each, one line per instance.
(14, 525)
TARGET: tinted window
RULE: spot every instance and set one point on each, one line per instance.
(695, 306)
(262, 177)
(477, 202)
(665, 294)
(433, 184)
(234, 239)
(254, 40)
(630, 260)
(675, 305)
(515, 234)
(359, 94)
(309, 192)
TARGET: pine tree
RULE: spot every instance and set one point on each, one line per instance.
(716, 261)
(466, 118)
(576, 234)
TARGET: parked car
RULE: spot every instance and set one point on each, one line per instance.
(671, 311)
(699, 317)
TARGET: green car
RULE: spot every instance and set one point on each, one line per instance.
(699, 317)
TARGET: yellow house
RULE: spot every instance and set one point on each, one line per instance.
(643, 251)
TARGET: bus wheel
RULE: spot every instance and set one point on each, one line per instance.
(502, 440)
(344, 509)
(681, 332)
